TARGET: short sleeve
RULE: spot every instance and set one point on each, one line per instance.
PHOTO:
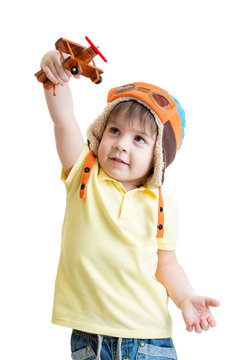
(170, 235)
(76, 172)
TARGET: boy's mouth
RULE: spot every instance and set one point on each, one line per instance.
(118, 161)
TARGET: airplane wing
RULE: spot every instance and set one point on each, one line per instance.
(88, 70)
(64, 44)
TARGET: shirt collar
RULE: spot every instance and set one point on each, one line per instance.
(102, 176)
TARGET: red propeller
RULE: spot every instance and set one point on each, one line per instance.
(95, 48)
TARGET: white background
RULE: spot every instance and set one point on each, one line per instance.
(190, 48)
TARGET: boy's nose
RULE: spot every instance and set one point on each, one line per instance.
(120, 146)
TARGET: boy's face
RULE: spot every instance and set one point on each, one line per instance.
(126, 151)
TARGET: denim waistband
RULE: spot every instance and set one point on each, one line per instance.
(100, 338)
(105, 343)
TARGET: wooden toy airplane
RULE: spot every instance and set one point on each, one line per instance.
(77, 62)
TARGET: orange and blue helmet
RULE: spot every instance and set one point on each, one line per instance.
(169, 117)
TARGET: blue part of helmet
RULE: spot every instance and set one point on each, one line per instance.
(181, 113)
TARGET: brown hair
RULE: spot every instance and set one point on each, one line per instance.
(134, 110)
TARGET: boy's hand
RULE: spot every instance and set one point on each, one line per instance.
(51, 64)
(196, 313)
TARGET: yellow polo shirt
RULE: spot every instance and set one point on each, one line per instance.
(106, 280)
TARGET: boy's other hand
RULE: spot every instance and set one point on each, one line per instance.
(51, 64)
(196, 313)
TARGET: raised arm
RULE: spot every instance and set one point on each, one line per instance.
(69, 140)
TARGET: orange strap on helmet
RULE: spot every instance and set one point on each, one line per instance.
(86, 174)
(83, 191)
(160, 225)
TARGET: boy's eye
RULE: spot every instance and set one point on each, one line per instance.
(113, 130)
(139, 139)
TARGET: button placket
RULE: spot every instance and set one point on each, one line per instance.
(125, 213)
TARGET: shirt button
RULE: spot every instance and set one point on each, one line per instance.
(88, 348)
(141, 343)
(87, 169)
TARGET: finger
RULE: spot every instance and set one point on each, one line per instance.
(204, 325)
(68, 72)
(60, 68)
(197, 327)
(211, 321)
(47, 64)
(212, 302)
(50, 75)
(189, 327)
(62, 74)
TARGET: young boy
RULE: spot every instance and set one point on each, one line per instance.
(118, 265)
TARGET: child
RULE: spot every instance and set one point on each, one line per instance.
(118, 265)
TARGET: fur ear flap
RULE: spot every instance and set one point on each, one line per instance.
(169, 144)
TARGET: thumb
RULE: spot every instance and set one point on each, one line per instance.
(211, 302)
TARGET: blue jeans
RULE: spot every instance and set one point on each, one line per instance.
(91, 346)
